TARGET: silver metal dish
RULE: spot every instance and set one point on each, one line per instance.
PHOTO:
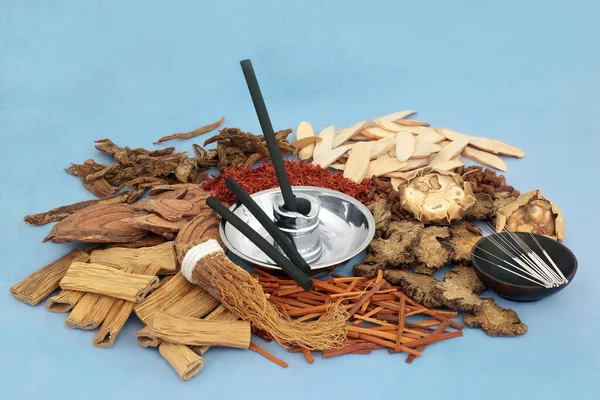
(346, 227)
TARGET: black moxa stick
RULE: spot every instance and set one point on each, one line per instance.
(280, 238)
(269, 134)
(279, 259)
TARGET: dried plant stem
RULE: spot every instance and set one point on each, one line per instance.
(308, 355)
(64, 301)
(182, 359)
(244, 296)
(196, 304)
(220, 313)
(120, 312)
(441, 328)
(45, 280)
(90, 312)
(197, 332)
(101, 279)
(163, 297)
(191, 134)
(162, 254)
(263, 352)
(116, 318)
(145, 338)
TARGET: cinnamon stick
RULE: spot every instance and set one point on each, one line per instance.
(372, 332)
(372, 320)
(327, 286)
(434, 338)
(351, 347)
(308, 355)
(291, 302)
(367, 296)
(266, 354)
(348, 279)
(401, 317)
(440, 318)
(367, 315)
(437, 331)
(387, 343)
(309, 317)
(290, 291)
(307, 310)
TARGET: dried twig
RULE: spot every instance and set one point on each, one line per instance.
(191, 134)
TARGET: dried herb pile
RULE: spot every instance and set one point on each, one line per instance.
(136, 170)
(489, 188)
(239, 149)
(300, 173)
(409, 252)
(382, 316)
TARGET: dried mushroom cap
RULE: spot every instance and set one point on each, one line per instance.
(416, 286)
(495, 320)
(460, 289)
(436, 197)
(532, 212)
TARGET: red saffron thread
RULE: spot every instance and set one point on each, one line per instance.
(263, 177)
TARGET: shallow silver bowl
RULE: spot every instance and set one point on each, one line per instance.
(346, 227)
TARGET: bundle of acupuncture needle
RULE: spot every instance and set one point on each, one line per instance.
(525, 261)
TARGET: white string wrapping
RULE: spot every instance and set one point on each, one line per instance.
(196, 254)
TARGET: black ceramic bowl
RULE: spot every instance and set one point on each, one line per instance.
(513, 287)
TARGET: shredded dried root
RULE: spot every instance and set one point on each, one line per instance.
(243, 295)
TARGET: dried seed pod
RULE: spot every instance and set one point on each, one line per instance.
(532, 212)
(436, 197)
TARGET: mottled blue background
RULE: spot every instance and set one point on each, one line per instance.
(522, 71)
